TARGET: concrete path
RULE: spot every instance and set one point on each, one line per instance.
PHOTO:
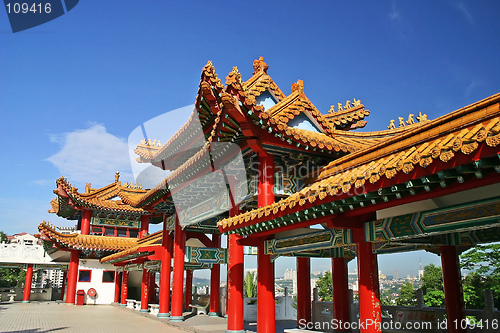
(42, 317)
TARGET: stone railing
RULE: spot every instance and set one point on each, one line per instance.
(322, 312)
(22, 253)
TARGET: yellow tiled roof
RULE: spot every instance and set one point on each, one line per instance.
(154, 239)
(102, 198)
(460, 132)
(84, 242)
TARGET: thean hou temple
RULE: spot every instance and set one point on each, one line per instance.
(263, 168)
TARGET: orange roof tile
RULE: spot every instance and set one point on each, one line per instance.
(154, 239)
(84, 242)
(459, 132)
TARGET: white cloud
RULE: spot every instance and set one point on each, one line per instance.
(394, 14)
(91, 155)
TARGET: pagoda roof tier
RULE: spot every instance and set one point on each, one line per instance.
(84, 242)
(441, 150)
(115, 197)
(153, 241)
(223, 111)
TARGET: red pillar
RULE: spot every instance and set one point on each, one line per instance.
(303, 290)
(117, 287)
(63, 287)
(85, 226)
(27, 284)
(455, 308)
(341, 304)
(215, 283)
(152, 288)
(164, 301)
(179, 249)
(266, 318)
(189, 288)
(72, 277)
(144, 226)
(124, 288)
(369, 294)
(235, 268)
(144, 290)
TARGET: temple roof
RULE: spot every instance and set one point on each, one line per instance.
(154, 240)
(115, 196)
(84, 242)
(458, 133)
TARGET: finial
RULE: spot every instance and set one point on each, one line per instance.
(87, 187)
(401, 122)
(117, 176)
(259, 66)
(299, 85)
(422, 116)
(410, 120)
(391, 125)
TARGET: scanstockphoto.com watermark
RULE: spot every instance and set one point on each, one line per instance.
(336, 325)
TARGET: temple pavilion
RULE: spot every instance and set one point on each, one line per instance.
(264, 168)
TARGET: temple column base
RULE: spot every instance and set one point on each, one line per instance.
(26, 301)
(144, 310)
(163, 315)
(213, 314)
(177, 318)
(229, 331)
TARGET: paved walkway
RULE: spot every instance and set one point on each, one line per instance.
(42, 317)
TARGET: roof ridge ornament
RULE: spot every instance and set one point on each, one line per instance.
(421, 118)
(260, 66)
(234, 77)
(299, 85)
(348, 105)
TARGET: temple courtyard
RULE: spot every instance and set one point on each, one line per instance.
(41, 317)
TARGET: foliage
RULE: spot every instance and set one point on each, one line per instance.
(12, 277)
(483, 259)
(325, 287)
(3, 237)
(250, 285)
(434, 298)
(484, 263)
(407, 295)
(432, 286)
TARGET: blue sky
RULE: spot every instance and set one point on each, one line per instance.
(73, 89)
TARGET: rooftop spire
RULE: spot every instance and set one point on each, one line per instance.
(260, 66)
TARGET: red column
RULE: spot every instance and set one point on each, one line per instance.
(144, 226)
(455, 308)
(72, 277)
(341, 304)
(369, 294)
(303, 291)
(179, 249)
(124, 288)
(215, 283)
(85, 226)
(266, 318)
(144, 290)
(164, 301)
(189, 288)
(152, 288)
(117, 286)
(27, 284)
(63, 285)
(235, 270)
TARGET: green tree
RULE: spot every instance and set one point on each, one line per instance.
(3, 237)
(325, 287)
(10, 277)
(407, 295)
(484, 263)
(432, 286)
(482, 259)
(250, 285)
